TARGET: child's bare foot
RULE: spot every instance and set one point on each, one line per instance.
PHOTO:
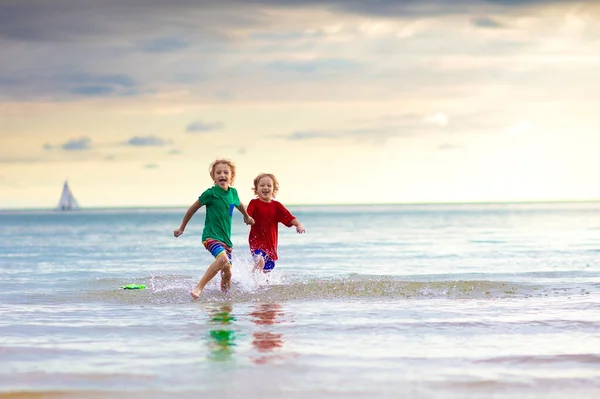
(196, 292)
(226, 279)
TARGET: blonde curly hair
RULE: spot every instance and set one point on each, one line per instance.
(260, 176)
(213, 165)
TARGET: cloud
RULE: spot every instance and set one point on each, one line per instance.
(56, 79)
(119, 80)
(485, 22)
(312, 66)
(83, 143)
(150, 166)
(311, 135)
(163, 45)
(175, 152)
(8, 81)
(409, 125)
(411, 8)
(268, 50)
(377, 134)
(98, 85)
(147, 141)
(74, 20)
(93, 90)
(79, 144)
(202, 127)
(280, 37)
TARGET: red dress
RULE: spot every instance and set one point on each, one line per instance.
(264, 231)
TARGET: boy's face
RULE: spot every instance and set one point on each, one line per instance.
(265, 188)
(222, 175)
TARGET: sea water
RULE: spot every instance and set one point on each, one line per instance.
(374, 301)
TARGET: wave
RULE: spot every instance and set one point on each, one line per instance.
(583, 358)
(176, 288)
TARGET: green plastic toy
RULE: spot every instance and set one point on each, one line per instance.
(133, 287)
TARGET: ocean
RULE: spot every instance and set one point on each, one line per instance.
(374, 301)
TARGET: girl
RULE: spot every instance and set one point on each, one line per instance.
(220, 200)
(267, 213)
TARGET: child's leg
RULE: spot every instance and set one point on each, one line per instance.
(221, 262)
(226, 278)
(259, 263)
(262, 262)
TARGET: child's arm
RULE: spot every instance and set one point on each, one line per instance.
(247, 218)
(299, 227)
(186, 218)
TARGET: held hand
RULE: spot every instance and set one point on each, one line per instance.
(177, 232)
(248, 220)
(300, 229)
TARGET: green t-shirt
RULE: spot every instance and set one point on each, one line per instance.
(219, 210)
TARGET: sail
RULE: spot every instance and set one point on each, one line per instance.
(67, 201)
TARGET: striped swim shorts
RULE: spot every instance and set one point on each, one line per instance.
(216, 248)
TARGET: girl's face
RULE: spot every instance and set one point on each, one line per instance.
(222, 175)
(264, 188)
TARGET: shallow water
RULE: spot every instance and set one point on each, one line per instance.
(446, 301)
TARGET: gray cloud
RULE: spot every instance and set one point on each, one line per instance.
(66, 20)
(96, 21)
(203, 127)
(93, 90)
(163, 45)
(33, 79)
(486, 22)
(312, 66)
(122, 48)
(377, 134)
(99, 85)
(311, 135)
(147, 141)
(104, 79)
(5, 81)
(150, 166)
(79, 144)
(411, 8)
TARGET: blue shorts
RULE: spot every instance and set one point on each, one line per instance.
(269, 263)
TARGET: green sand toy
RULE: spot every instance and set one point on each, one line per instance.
(133, 287)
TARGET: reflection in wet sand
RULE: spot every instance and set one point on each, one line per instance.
(266, 342)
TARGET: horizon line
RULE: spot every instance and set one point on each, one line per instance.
(522, 202)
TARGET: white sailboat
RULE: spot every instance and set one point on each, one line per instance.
(67, 200)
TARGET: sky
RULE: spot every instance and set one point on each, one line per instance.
(345, 101)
